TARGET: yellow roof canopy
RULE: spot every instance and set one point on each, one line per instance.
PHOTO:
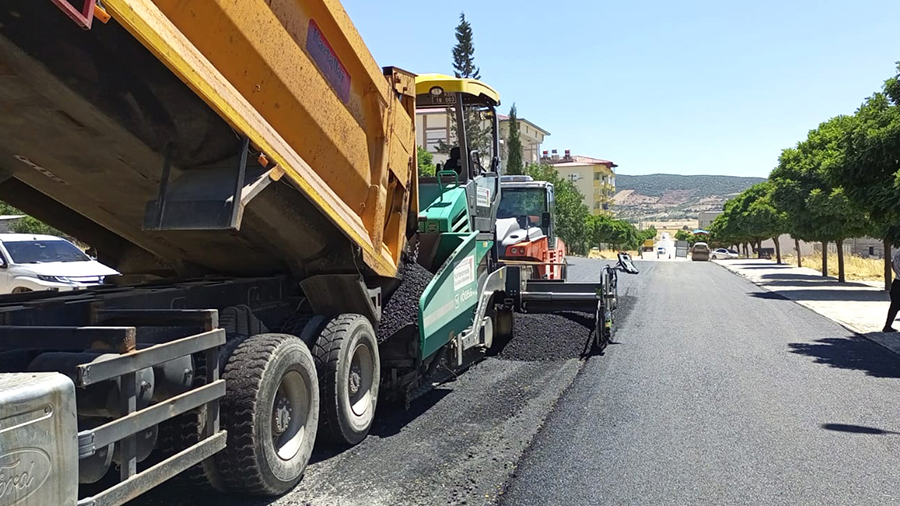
(474, 87)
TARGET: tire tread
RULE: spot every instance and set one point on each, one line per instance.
(237, 463)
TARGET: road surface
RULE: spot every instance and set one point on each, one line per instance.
(714, 393)
(718, 393)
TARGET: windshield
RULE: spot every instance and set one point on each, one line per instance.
(440, 134)
(34, 252)
(522, 202)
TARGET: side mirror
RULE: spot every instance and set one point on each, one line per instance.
(495, 164)
(626, 264)
(475, 162)
(545, 220)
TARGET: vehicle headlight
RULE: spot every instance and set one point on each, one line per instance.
(54, 279)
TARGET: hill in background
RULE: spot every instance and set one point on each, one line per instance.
(660, 197)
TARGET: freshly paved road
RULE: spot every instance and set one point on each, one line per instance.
(719, 393)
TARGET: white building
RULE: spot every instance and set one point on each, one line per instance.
(433, 126)
(704, 221)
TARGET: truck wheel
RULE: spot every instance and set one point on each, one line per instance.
(349, 370)
(271, 411)
(185, 430)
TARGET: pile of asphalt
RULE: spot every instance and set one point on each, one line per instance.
(402, 308)
(548, 337)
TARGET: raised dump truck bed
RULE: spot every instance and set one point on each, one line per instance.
(136, 136)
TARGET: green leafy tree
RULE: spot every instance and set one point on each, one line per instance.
(870, 172)
(684, 235)
(425, 161)
(514, 163)
(618, 234)
(761, 218)
(571, 212)
(816, 204)
(792, 184)
(728, 227)
(28, 224)
(478, 124)
(647, 234)
(464, 51)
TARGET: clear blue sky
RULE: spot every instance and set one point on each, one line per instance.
(713, 87)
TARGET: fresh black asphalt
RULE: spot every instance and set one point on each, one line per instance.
(719, 394)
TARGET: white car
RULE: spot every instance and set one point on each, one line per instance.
(723, 254)
(30, 263)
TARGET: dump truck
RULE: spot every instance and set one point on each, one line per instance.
(251, 172)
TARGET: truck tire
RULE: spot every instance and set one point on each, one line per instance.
(185, 430)
(349, 370)
(271, 413)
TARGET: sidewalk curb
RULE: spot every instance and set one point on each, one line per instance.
(847, 327)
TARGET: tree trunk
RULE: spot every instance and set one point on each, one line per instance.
(887, 265)
(799, 256)
(825, 258)
(777, 251)
(758, 248)
(840, 248)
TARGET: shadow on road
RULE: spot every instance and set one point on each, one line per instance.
(813, 284)
(851, 352)
(838, 295)
(857, 429)
(795, 276)
(808, 294)
(767, 295)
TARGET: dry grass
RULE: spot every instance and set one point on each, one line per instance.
(855, 268)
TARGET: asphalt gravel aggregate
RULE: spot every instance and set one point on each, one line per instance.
(402, 308)
(549, 337)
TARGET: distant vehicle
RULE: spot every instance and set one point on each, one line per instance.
(647, 246)
(700, 252)
(723, 254)
(660, 252)
(30, 263)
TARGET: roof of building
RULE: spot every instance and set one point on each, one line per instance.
(503, 117)
(575, 160)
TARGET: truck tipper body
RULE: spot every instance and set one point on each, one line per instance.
(133, 135)
(251, 171)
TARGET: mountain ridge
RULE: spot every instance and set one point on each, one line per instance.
(663, 196)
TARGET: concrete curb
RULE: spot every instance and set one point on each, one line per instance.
(874, 337)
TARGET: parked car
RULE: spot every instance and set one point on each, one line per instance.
(43, 262)
(700, 252)
(723, 254)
